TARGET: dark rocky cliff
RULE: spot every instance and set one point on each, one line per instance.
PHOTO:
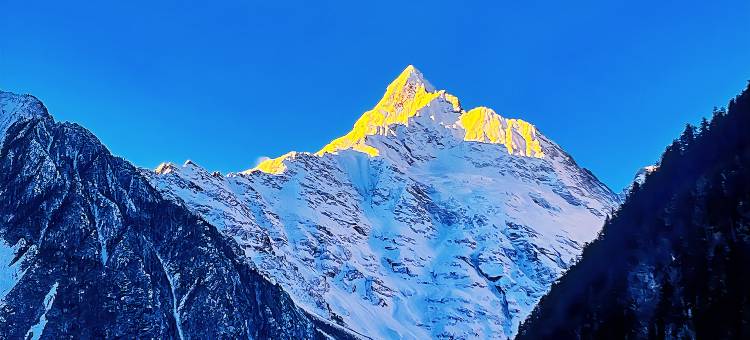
(100, 254)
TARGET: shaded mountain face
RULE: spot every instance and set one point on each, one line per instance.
(426, 220)
(89, 249)
(672, 263)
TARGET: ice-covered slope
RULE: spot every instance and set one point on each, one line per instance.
(425, 220)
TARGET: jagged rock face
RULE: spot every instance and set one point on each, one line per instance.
(418, 223)
(90, 249)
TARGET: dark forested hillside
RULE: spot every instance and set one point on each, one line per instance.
(673, 262)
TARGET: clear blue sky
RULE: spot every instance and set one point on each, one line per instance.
(225, 82)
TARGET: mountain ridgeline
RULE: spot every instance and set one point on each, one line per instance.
(673, 260)
(90, 250)
(426, 220)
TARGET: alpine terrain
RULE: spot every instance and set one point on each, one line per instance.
(90, 250)
(426, 220)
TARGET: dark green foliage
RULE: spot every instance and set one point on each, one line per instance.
(674, 260)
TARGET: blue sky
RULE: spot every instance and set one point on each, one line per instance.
(227, 82)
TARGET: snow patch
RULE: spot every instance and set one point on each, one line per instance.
(175, 309)
(10, 272)
(36, 330)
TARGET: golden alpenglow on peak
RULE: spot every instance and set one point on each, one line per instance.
(404, 98)
(482, 124)
(274, 165)
(165, 168)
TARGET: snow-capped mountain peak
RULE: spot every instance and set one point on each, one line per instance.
(411, 99)
(485, 125)
(425, 220)
(409, 93)
(165, 168)
(414, 77)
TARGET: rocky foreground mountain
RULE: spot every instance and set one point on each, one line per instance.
(90, 250)
(425, 221)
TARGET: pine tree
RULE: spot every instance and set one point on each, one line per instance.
(703, 127)
(688, 136)
(688, 226)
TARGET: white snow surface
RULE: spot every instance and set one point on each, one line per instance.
(10, 270)
(435, 237)
(35, 332)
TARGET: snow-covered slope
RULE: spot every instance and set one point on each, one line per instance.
(425, 220)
